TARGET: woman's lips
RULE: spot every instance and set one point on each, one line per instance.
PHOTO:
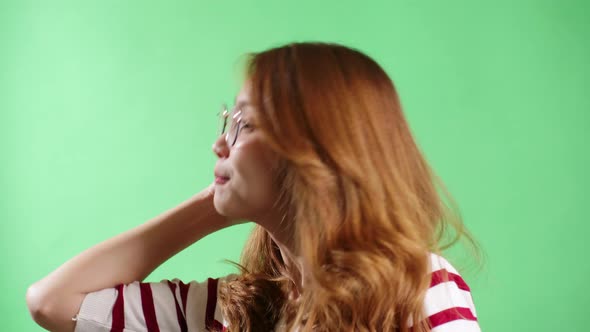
(221, 179)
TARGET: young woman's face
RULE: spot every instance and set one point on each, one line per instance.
(243, 173)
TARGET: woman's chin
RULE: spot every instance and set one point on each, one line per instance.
(222, 207)
(219, 204)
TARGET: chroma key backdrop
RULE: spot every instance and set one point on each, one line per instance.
(108, 110)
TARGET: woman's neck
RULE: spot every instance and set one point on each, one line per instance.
(292, 262)
(282, 234)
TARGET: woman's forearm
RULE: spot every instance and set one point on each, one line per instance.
(127, 257)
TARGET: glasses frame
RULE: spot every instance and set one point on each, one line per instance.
(236, 117)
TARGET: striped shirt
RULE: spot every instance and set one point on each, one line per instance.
(171, 305)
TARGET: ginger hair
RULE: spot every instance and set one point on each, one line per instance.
(365, 207)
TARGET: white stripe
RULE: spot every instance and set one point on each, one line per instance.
(444, 296)
(96, 311)
(196, 303)
(438, 262)
(218, 316)
(132, 304)
(164, 306)
(458, 326)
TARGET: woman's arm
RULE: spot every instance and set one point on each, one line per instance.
(127, 257)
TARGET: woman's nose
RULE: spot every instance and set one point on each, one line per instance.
(220, 147)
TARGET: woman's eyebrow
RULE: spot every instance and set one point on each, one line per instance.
(241, 103)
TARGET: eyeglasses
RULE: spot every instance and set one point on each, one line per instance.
(231, 133)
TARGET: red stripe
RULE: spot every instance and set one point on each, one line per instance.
(179, 315)
(443, 275)
(118, 323)
(217, 326)
(147, 304)
(211, 303)
(451, 314)
(183, 294)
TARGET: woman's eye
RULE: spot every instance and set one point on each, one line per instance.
(247, 125)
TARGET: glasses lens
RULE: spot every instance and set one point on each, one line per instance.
(222, 125)
(232, 131)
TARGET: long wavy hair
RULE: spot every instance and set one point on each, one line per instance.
(364, 207)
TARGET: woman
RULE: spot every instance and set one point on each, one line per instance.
(349, 229)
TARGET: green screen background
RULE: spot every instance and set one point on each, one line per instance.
(108, 112)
